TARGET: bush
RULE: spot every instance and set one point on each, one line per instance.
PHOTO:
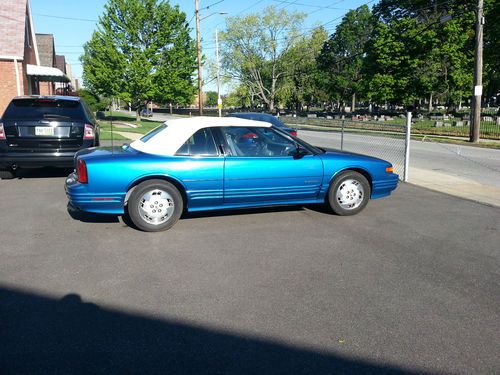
(95, 103)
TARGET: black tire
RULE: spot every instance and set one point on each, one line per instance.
(7, 175)
(150, 200)
(353, 201)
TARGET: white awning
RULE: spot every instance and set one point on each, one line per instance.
(46, 73)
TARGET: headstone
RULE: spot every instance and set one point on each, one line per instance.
(487, 118)
(498, 120)
(458, 123)
(312, 115)
(438, 124)
(329, 117)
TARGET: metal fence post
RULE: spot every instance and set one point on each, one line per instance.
(407, 145)
(342, 136)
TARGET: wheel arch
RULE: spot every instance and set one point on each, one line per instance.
(362, 171)
(173, 181)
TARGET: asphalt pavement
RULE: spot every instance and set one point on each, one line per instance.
(409, 286)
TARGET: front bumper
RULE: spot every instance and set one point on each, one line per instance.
(383, 188)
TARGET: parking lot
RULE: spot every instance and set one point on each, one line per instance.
(408, 286)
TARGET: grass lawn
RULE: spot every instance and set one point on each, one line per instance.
(144, 125)
(106, 136)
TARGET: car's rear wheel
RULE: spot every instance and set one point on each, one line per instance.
(7, 175)
(349, 193)
(155, 205)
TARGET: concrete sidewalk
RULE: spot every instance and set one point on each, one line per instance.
(457, 186)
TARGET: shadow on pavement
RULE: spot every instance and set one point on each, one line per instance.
(89, 217)
(46, 172)
(41, 335)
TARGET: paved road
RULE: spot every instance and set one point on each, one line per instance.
(409, 286)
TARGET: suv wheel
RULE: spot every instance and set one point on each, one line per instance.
(7, 175)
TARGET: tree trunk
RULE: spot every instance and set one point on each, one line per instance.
(430, 103)
(353, 107)
(138, 114)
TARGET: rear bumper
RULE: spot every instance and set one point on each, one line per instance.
(80, 198)
(34, 160)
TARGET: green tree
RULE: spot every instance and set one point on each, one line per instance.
(341, 57)
(254, 46)
(141, 51)
(212, 97)
(300, 86)
(412, 55)
(92, 100)
(492, 47)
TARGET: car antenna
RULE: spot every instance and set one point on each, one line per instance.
(111, 122)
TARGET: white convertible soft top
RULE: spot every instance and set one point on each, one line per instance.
(167, 141)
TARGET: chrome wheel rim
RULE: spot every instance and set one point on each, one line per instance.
(350, 194)
(156, 206)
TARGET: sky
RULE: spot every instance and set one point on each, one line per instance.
(73, 21)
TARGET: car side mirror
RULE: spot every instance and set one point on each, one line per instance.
(300, 153)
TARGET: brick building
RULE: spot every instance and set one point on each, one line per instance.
(21, 70)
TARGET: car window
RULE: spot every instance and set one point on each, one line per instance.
(200, 143)
(41, 108)
(152, 133)
(257, 142)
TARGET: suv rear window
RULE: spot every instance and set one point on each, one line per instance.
(30, 108)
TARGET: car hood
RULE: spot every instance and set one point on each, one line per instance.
(337, 154)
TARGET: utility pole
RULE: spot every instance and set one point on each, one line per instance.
(219, 100)
(198, 42)
(478, 75)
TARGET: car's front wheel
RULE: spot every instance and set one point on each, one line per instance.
(155, 205)
(349, 193)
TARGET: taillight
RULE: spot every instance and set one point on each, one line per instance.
(88, 132)
(2, 131)
(293, 133)
(81, 170)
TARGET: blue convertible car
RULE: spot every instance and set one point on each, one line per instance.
(207, 163)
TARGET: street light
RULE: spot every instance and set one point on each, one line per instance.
(198, 42)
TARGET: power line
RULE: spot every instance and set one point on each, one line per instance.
(65, 18)
(319, 7)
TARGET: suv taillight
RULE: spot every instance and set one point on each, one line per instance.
(2, 131)
(81, 170)
(88, 132)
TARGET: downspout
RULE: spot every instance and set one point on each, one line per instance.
(18, 84)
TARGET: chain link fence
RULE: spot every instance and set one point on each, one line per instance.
(379, 139)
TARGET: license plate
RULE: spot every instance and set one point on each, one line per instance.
(44, 130)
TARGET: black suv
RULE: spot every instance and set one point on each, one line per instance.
(39, 131)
